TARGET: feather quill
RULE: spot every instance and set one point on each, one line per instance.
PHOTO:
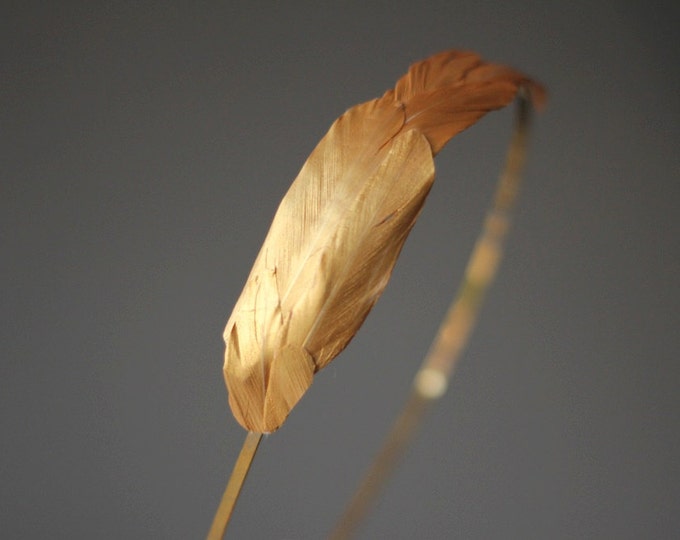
(340, 227)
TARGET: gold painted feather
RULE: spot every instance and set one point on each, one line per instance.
(338, 231)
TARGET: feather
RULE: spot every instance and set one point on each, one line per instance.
(340, 227)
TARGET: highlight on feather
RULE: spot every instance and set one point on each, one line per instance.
(340, 227)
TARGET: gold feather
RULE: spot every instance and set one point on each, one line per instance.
(338, 231)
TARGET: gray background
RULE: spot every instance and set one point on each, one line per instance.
(144, 151)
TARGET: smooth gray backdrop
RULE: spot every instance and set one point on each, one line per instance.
(144, 151)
